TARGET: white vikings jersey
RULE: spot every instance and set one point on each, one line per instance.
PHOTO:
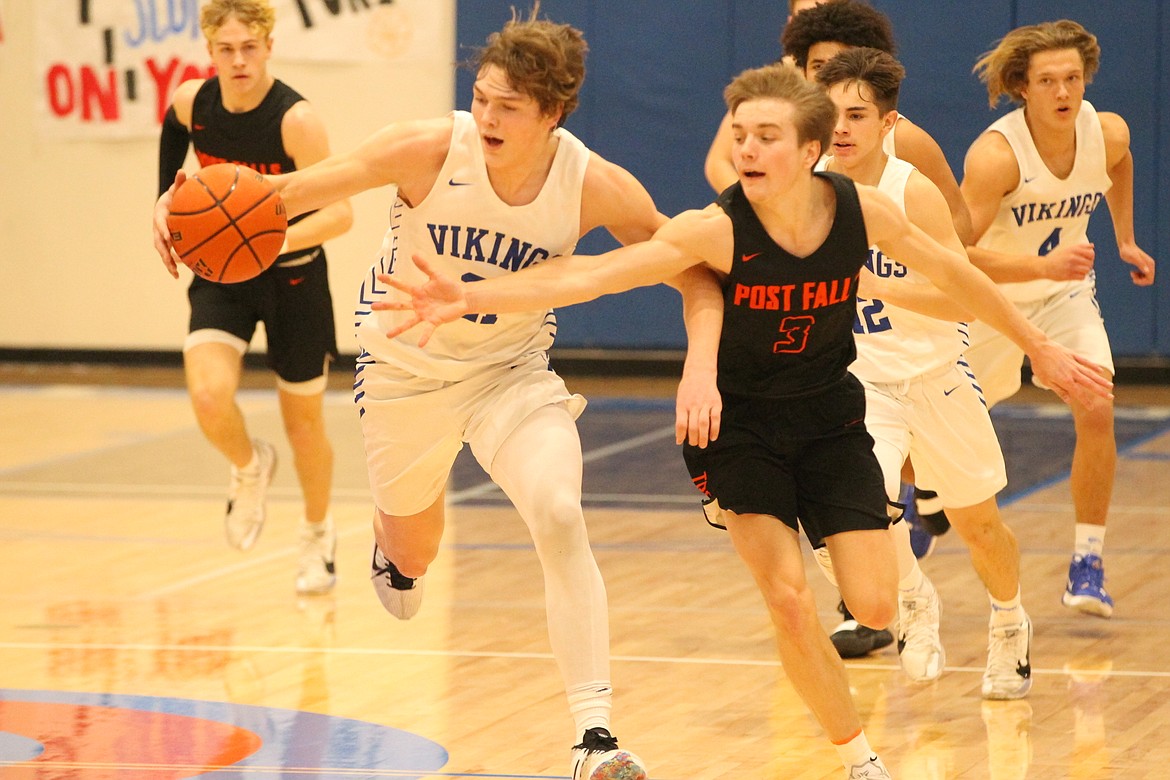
(1044, 211)
(895, 344)
(468, 233)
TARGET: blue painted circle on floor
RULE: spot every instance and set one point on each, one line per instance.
(14, 747)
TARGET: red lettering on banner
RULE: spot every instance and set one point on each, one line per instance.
(162, 84)
(91, 91)
(165, 81)
(60, 88)
(64, 87)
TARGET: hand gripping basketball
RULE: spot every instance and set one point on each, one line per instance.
(227, 223)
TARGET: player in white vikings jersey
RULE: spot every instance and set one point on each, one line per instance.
(790, 448)
(474, 234)
(921, 399)
(1032, 180)
(491, 192)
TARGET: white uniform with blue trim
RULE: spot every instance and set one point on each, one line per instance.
(1042, 213)
(921, 398)
(478, 378)
(468, 232)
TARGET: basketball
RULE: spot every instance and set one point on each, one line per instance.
(227, 223)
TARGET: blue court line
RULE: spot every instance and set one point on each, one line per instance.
(1122, 452)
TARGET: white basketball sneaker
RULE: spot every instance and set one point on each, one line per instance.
(246, 496)
(400, 595)
(1009, 665)
(919, 648)
(598, 757)
(873, 769)
(315, 569)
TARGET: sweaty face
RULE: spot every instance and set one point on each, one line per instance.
(819, 54)
(510, 122)
(240, 55)
(860, 125)
(765, 150)
(1056, 86)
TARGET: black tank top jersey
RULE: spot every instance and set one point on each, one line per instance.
(788, 321)
(251, 138)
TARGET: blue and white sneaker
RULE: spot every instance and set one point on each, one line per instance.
(1085, 591)
(921, 540)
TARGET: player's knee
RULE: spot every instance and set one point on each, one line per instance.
(307, 434)
(211, 400)
(557, 520)
(873, 609)
(1094, 418)
(793, 609)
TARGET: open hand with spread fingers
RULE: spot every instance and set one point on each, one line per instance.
(439, 300)
(1069, 375)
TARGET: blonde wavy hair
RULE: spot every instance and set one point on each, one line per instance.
(1004, 69)
(257, 15)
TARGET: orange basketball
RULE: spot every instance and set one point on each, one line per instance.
(227, 223)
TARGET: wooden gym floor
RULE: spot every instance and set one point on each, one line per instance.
(135, 644)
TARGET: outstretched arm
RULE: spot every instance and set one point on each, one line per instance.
(1067, 374)
(927, 208)
(688, 239)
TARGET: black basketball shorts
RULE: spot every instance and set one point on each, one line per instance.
(806, 461)
(294, 304)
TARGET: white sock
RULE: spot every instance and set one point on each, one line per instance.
(907, 563)
(1006, 613)
(1090, 539)
(914, 581)
(590, 706)
(320, 527)
(253, 465)
(856, 751)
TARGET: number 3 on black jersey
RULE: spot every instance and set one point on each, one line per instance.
(794, 334)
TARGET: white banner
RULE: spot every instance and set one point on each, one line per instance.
(107, 68)
(362, 30)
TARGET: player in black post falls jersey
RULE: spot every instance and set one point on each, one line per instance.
(784, 436)
(246, 116)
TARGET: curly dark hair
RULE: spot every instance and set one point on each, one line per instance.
(842, 21)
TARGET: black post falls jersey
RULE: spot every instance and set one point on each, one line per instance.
(787, 320)
(251, 138)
